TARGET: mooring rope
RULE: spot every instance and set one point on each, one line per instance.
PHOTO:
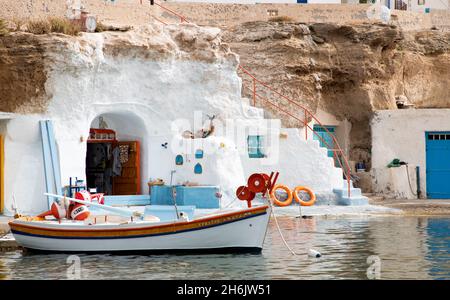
(279, 229)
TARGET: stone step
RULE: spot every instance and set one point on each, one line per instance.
(354, 200)
(343, 192)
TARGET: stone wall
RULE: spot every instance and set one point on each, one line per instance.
(131, 12)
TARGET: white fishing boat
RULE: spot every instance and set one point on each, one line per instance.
(224, 231)
(71, 228)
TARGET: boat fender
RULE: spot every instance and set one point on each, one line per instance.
(58, 210)
(311, 194)
(83, 195)
(98, 198)
(286, 202)
(314, 253)
(79, 212)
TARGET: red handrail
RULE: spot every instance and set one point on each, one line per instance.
(346, 169)
(338, 150)
(307, 113)
(182, 18)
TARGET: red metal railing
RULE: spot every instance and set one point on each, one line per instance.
(182, 18)
(338, 153)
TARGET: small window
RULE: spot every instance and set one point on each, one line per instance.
(179, 160)
(421, 2)
(438, 137)
(255, 146)
(199, 153)
(198, 169)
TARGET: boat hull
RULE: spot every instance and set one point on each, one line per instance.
(239, 231)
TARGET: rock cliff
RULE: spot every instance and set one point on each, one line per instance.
(347, 70)
(27, 59)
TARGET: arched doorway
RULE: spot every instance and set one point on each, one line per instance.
(115, 164)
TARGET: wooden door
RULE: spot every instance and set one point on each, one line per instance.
(129, 183)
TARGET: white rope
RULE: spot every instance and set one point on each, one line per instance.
(279, 229)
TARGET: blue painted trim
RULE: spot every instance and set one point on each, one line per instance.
(199, 153)
(134, 236)
(47, 160)
(198, 169)
(437, 165)
(54, 157)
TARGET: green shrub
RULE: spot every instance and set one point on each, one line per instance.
(101, 27)
(17, 24)
(58, 25)
(65, 26)
(3, 28)
(281, 19)
(39, 26)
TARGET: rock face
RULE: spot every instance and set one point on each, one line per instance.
(27, 59)
(150, 85)
(347, 70)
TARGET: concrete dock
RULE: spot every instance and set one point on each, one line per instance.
(7, 242)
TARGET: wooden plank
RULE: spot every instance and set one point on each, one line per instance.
(47, 161)
(2, 174)
(55, 158)
(129, 183)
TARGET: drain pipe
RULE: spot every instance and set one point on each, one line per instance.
(418, 182)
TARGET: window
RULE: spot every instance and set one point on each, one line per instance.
(255, 148)
(435, 136)
(400, 5)
(421, 2)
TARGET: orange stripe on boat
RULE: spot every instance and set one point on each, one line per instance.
(158, 229)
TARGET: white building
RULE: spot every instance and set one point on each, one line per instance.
(425, 6)
(145, 88)
(419, 137)
(261, 1)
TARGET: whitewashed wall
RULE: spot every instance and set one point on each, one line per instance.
(141, 99)
(401, 134)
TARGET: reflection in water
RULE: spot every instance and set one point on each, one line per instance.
(409, 248)
(439, 247)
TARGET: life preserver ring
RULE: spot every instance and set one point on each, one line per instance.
(311, 194)
(286, 202)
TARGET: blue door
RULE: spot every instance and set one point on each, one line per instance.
(325, 138)
(438, 164)
(302, 1)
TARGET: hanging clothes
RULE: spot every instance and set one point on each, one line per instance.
(117, 164)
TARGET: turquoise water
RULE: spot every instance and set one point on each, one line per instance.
(397, 248)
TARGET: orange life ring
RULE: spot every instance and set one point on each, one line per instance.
(286, 202)
(311, 194)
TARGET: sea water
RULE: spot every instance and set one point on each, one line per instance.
(351, 248)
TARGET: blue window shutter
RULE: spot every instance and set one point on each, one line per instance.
(255, 146)
(198, 169)
(179, 160)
